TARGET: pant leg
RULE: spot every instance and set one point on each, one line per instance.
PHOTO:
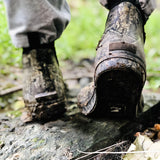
(48, 18)
(147, 6)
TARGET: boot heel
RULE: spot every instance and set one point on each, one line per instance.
(118, 87)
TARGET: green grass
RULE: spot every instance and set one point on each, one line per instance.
(9, 55)
(84, 31)
(152, 50)
(82, 35)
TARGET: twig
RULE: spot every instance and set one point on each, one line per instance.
(10, 90)
(132, 152)
(101, 154)
(100, 151)
(149, 75)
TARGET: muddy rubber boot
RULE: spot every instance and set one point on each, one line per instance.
(120, 70)
(43, 89)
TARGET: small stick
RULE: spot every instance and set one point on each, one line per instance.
(91, 153)
(10, 90)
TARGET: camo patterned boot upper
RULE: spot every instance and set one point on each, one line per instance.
(120, 70)
(146, 6)
(43, 89)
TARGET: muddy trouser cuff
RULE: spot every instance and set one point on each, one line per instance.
(147, 6)
(36, 22)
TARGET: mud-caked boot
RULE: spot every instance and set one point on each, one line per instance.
(120, 69)
(44, 88)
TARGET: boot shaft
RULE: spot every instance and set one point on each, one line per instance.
(126, 20)
(124, 25)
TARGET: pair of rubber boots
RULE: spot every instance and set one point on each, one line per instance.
(120, 72)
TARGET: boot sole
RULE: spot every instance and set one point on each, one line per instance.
(118, 88)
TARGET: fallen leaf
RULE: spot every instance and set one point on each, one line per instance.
(143, 149)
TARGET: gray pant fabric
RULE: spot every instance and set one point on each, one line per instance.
(47, 17)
